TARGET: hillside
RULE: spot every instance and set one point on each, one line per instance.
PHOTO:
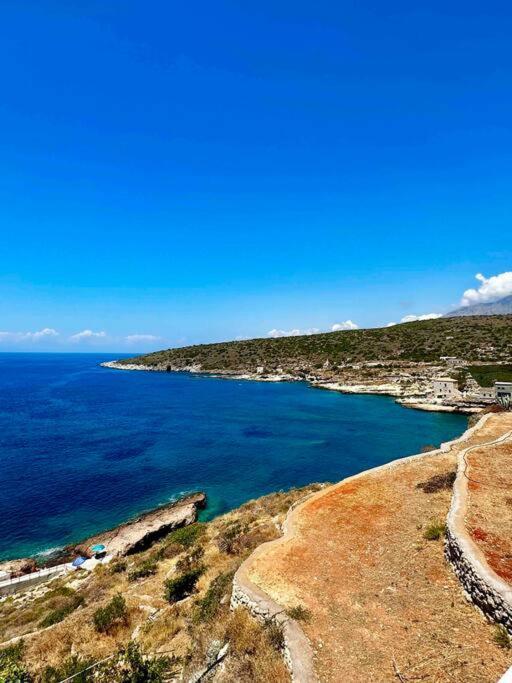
(501, 307)
(479, 338)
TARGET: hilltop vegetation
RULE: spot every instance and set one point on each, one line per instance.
(486, 375)
(478, 338)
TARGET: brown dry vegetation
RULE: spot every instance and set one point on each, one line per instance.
(384, 604)
(489, 518)
(186, 628)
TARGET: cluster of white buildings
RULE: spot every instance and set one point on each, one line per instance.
(447, 388)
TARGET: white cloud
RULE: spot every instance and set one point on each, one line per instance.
(87, 334)
(347, 325)
(141, 338)
(390, 324)
(292, 333)
(45, 333)
(491, 289)
(425, 316)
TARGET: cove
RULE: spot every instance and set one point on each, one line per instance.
(83, 448)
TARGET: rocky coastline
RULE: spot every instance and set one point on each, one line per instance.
(409, 392)
(127, 538)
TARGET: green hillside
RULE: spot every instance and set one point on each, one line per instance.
(479, 338)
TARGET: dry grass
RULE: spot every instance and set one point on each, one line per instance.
(489, 518)
(381, 596)
(186, 628)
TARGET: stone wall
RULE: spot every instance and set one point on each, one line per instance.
(296, 651)
(481, 585)
(492, 601)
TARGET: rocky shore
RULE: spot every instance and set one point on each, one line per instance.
(128, 538)
(409, 386)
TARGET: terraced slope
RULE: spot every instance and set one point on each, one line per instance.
(384, 603)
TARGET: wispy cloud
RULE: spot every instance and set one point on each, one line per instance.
(85, 335)
(346, 325)
(296, 332)
(39, 335)
(292, 333)
(425, 316)
(141, 338)
(491, 289)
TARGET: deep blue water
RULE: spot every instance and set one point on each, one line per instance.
(83, 448)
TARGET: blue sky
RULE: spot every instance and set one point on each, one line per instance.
(202, 171)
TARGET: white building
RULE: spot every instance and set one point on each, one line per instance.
(503, 389)
(450, 360)
(445, 387)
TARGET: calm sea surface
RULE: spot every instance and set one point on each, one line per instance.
(83, 448)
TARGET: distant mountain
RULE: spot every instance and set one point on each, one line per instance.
(501, 307)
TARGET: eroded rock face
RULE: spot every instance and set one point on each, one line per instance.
(141, 533)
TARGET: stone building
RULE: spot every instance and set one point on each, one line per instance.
(503, 389)
(445, 387)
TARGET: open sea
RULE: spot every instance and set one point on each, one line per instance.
(83, 448)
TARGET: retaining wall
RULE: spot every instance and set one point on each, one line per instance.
(481, 585)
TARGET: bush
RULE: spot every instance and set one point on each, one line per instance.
(438, 482)
(434, 531)
(131, 665)
(117, 567)
(275, 634)
(187, 535)
(62, 612)
(501, 636)
(111, 615)
(70, 667)
(183, 585)
(227, 542)
(12, 669)
(208, 606)
(299, 613)
(146, 568)
(190, 561)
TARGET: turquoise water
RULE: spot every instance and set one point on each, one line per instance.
(82, 448)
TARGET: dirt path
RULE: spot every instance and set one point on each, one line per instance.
(384, 604)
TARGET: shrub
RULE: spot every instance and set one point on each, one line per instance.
(112, 614)
(183, 585)
(62, 612)
(12, 669)
(501, 636)
(208, 606)
(434, 531)
(70, 667)
(117, 567)
(438, 482)
(275, 634)
(146, 568)
(190, 560)
(227, 542)
(132, 666)
(299, 613)
(187, 535)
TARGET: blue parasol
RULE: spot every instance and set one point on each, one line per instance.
(97, 548)
(78, 561)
